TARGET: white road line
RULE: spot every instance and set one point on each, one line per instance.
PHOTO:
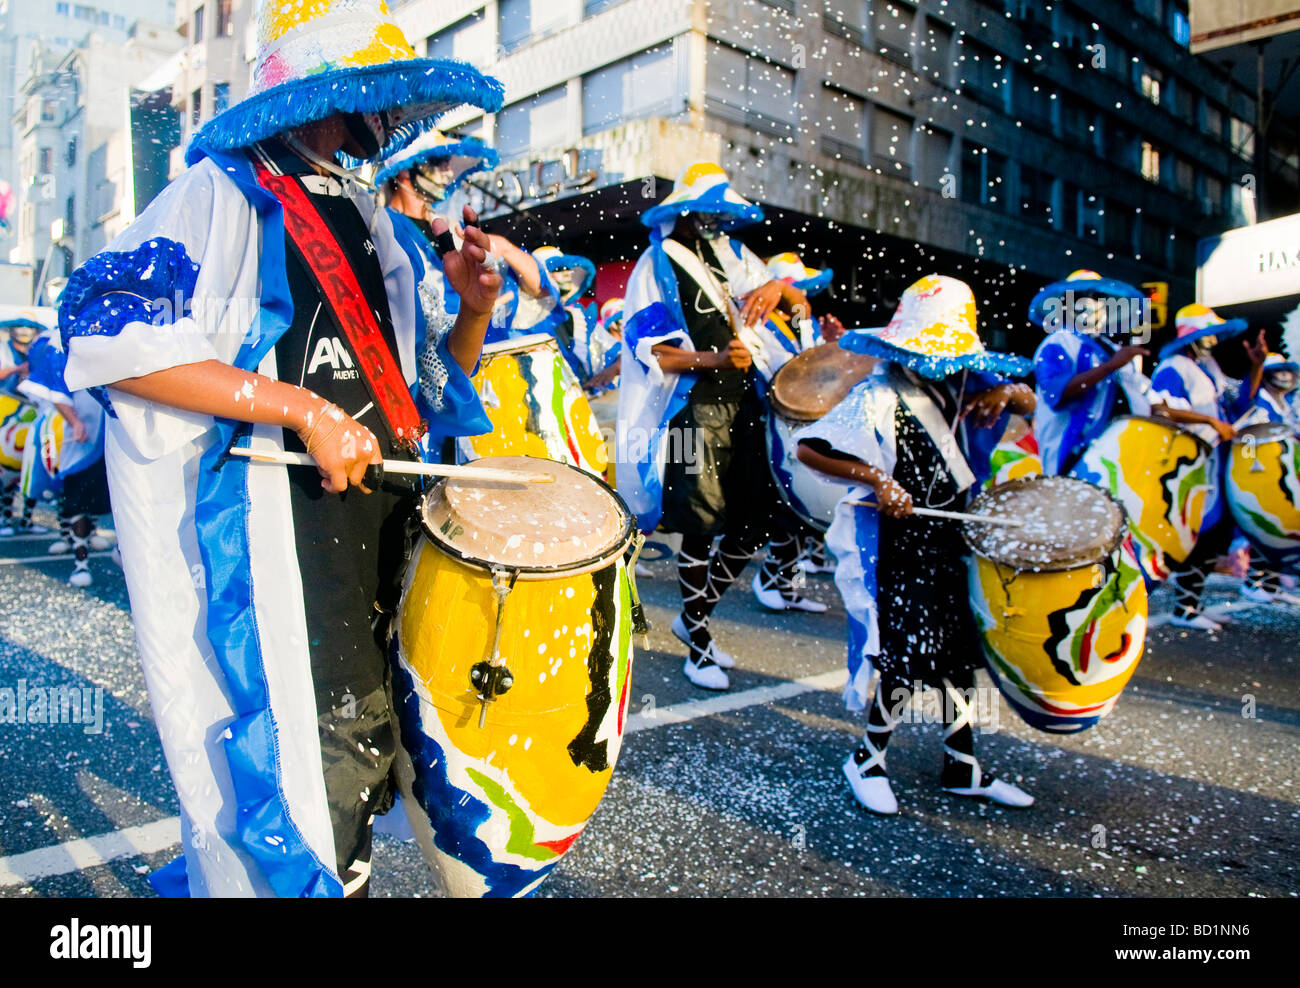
(88, 852)
(76, 855)
(67, 557)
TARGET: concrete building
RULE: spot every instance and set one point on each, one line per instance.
(57, 28)
(73, 145)
(1003, 141)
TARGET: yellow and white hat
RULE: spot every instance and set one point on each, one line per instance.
(934, 332)
(1195, 322)
(318, 58)
(702, 187)
(789, 267)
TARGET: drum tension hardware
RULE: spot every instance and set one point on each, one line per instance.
(490, 678)
(640, 626)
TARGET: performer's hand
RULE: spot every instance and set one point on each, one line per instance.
(761, 302)
(1225, 430)
(603, 379)
(735, 357)
(79, 433)
(1257, 351)
(892, 499)
(1125, 354)
(832, 328)
(987, 407)
(342, 448)
(477, 285)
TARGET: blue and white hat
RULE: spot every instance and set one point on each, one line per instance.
(466, 155)
(555, 260)
(790, 268)
(702, 187)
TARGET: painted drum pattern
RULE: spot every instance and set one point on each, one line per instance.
(17, 419)
(1263, 488)
(1016, 455)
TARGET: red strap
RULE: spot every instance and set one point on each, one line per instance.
(339, 287)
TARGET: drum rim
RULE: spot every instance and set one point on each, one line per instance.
(587, 564)
(1205, 445)
(520, 343)
(1051, 567)
(1280, 432)
(784, 410)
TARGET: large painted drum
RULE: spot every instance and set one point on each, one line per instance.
(1060, 603)
(803, 390)
(1263, 487)
(536, 405)
(17, 419)
(1016, 455)
(512, 659)
(1167, 480)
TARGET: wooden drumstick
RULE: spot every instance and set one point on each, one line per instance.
(954, 515)
(375, 472)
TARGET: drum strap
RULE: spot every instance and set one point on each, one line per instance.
(919, 404)
(337, 284)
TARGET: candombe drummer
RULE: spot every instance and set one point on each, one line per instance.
(260, 594)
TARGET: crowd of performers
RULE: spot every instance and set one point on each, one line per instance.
(264, 599)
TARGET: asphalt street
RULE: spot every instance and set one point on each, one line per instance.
(1189, 789)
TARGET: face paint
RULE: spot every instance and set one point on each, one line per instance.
(1282, 380)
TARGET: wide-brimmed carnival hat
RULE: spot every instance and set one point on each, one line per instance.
(1079, 284)
(611, 311)
(466, 155)
(555, 260)
(1195, 322)
(934, 333)
(1276, 362)
(702, 187)
(316, 58)
(790, 268)
(23, 330)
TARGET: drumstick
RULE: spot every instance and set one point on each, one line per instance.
(376, 471)
(954, 515)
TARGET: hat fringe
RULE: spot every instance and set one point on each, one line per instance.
(818, 283)
(734, 214)
(442, 83)
(934, 366)
(468, 147)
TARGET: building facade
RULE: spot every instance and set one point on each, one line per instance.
(1004, 140)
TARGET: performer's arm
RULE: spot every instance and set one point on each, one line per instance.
(341, 446)
(523, 264)
(987, 406)
(477, 285)
(78, 427)
(1090, 378)
(1185, 417)
(892, 498)
(764, 300)
(674, 360)
(1256, 352)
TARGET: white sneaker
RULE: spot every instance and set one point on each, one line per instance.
(98, 543)
(710, 677)
(60, 548)
(773, 600)
(81, 578)
(1005, 793)
(722, 658)
(1196, 620)
(874, 793)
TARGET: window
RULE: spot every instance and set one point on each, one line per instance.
(1154, 240)
(1092, 215)
(893, 22)
(596, 6)
(641, 86)
(749, 90)
(220, 96)
(225, 25)
(63, 9)
(891, 142)
(522, 21)
(536, 122)
(1211, 119)
(842, 126)
(1150, 162)
(1149, 82)
(46, 159)
(49, 111)
(1212, 195)
(70, 154)
(1181, 28)
(105, 17)
(196, 107)
(1242, 137)
(198, 25)
(981, 73)
(119, 22)
(1033, 101)
(1035, 196)
(934, 49)
(467, 40)
(1184, 176)
(983, 176)
(847, 19)
(83, 13)
(932, 149)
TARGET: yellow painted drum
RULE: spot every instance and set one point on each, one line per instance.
(1060, 603)
(1167, 480)
(1263, 487)
(536, 405)
(17, 418)
(1016, 455)
(499, 789)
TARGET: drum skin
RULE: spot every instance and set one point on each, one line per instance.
(1167, 480)
(1263, 488)
(810, 495)
(1016, 454)
(17, 419)
(1061, 645)
(537, 407)
(495, 808)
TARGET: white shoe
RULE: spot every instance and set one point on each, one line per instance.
(1196, 620)
(811, 568)
(709, 677)
(643, 572)
(874, 793)
(774, 601)
(98, 543)
(1005, 793)
(60, 548)
(724, 659)
(81, 578)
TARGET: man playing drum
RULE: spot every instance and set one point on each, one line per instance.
(1196, 393)
(260, 594)
(691, 447)
(909, 436)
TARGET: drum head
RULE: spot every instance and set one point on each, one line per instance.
(518, 344)
(1266, 432)
(811, 384)
(1067, 523)
(573, 525)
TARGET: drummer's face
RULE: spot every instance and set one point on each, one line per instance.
(1282, 380)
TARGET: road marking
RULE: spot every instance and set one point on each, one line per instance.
(66, 557)
(89, 852)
